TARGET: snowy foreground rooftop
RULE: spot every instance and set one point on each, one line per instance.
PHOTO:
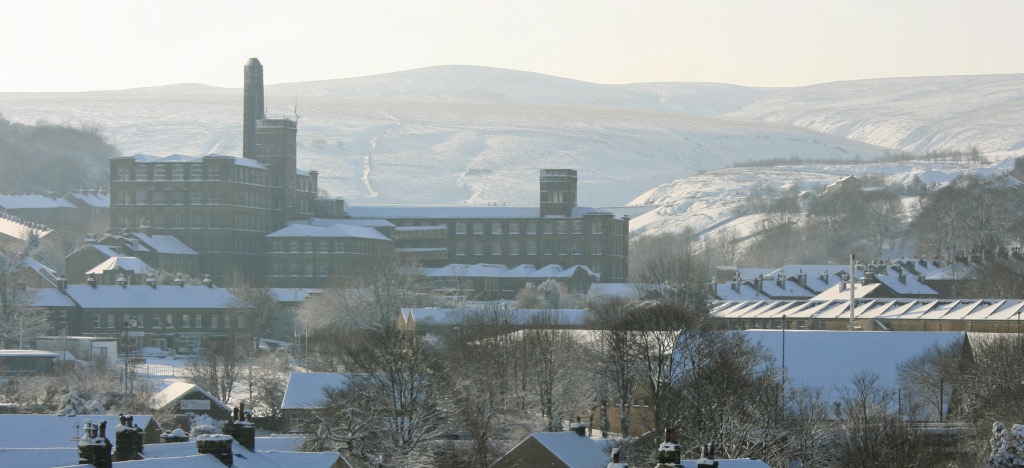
(173, 455)
(306, 389)
(830, 359)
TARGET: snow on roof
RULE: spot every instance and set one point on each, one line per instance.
(178, 454)
(48, 297)
(448, 316)
(829, 359)
(882, 308)
(13, 227)
(336, 230)
(165, 244)
(346, 222)
(292, 295)
(454, 212)
(48, 430)
(185, 159)
(280, 442)
(95, 200)
(574, 450)
(147, 297)
(177, 390)
(841, 291)
(734, 463)
(26, 352)
(488, 270)
(306, 389)
(14, 202)
(132, 264)
(746, 292)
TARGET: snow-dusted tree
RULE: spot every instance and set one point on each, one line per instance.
(617, 368)
(19, 321)
(264, 379)
(870, 430)
(216, 370)
(260, 312)
(398, 388)
(1007, 446)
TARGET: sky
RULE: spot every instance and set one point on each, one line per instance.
(77, 45)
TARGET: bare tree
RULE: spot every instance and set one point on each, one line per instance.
(216, 370)
(19, 321)
(259, 310)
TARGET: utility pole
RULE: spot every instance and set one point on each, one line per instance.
(853, 298)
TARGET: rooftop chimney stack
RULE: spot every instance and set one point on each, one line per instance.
(218, 445)
(93, 446)
(128, 440)
(669, 453)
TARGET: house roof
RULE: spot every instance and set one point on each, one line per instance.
(49, 297)
(164, 244)
(48, 430)
(176, 455)
(14, 202)
(95, 200)
(454, 212)
(132, 264)
(734, 463)
(176, 391)
(335, 230)
(345, 222)
(487, 270)
(574, 450)
(147, 297)
(306, 389)
(446, 316)
(830, 359)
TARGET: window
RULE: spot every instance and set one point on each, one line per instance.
(294, 270)
(561, 227)
(339, 245)
(178, 221)
(460, 227)
(96, 321)
(577, 227)
(159, 172)
(309, 245)
(513, 227)
(214, 197)
(496, 227)
(478, 247)
(199, 321)
(531, 247)
(495, 246)
(595, 248)
(513, 247)
(195, 197)
(141, 196)
(597, 226)
(577, 247)
(178, 172)
(185, 320)
(478, 227)
(215, 175)
(213, 321)
(531, 227)
(110, 320)
(141, 172)
(123, 173)
(170, 321)
(324, 247)
(277, 269)
(308, 270)
(195, 172)
(323, 269)
(197, 220)
(548, 227)
(158, 197)
(460, 247)
(293, 246)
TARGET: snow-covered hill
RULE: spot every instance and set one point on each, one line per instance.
(911, 114)
(458, 134)
(707, 202)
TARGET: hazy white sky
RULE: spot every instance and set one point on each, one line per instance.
(75, 45)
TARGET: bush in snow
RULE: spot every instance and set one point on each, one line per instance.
(1007, 446)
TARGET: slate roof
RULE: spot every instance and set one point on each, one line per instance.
(455, 212)
(147, 297)
(175, 391)
(132, 264)
(48, 431)
(336, 230)
(164, 244)
(306, 389)
(14, 202)
(574, 450)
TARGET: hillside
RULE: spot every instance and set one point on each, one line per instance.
(448, 135)
(911, 114)
(706, 202)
